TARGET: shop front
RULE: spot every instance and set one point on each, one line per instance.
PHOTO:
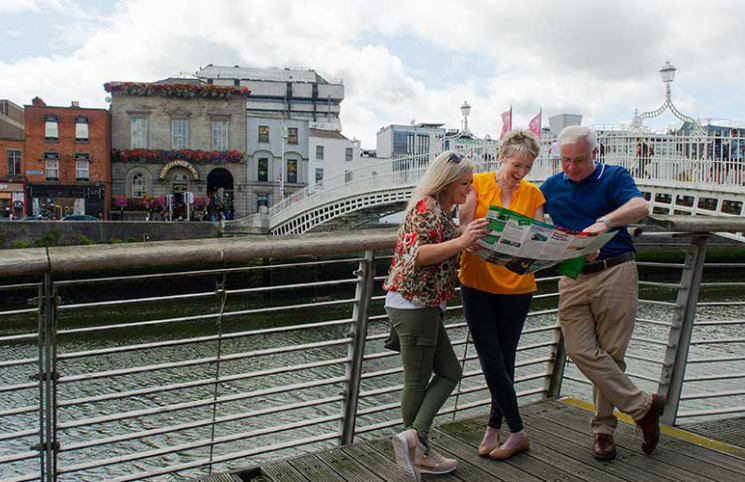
(12, 199)
(57, 201)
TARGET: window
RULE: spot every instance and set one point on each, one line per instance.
(139, 186)
(179, 134)
(319, 153)
(138, 126)
(81, 129)
(51, 128)
(263, 170)
(292, 135)
(82, 165)
(347, 176)
(292, 171)
(348, 154)
(263, 133)
(52, 166)
(14, 162)
(219, 135)
(319, 175)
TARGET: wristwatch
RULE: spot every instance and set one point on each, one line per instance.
(604, 219)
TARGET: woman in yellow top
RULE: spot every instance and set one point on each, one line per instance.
(495, 300)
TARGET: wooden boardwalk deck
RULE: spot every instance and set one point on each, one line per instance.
(560, 451)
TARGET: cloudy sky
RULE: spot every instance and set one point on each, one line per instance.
(401, 60)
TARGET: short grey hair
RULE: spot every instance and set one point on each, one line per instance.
(572, 134)
(522, 143)
(441, 172)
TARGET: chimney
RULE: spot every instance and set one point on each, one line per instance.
(75, 104)
(37, 101)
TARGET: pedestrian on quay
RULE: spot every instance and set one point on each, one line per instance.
(421, 280)
(597, 310)
(496, 300)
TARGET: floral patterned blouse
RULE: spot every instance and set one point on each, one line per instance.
(427, 285)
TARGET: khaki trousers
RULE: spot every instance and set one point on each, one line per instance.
(597, 313)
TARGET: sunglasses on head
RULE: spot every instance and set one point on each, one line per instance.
(455, 158)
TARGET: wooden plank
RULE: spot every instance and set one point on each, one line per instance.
(702, 454)
(665, 463)
(376, 463)
(385, 449)
(313, 469)
(565, 456)
(282, 471)
(524, 461)
(450, 443)
(347, 466)
(731, 431)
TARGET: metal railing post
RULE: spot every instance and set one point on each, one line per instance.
(47, 376)
(556, 366)
(681, 331)
(363, 293)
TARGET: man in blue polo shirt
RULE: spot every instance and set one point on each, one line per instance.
(598, 309)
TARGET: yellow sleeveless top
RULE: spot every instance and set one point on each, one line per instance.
(477, 273)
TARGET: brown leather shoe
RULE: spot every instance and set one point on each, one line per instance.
(649, 424)
(604, 447)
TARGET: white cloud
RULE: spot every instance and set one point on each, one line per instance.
(597, 58)
(16, 6)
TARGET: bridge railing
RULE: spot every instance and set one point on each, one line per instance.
(714, 162)
(127, 376)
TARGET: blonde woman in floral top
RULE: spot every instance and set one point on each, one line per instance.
(421, 280)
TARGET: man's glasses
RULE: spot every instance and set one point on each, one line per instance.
(576, 160)
(455, 158)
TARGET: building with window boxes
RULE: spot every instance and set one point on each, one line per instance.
(290, 101)
(12, 182)
(179, 139)
(67, 159)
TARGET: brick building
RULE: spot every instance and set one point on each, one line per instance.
(67, 159)
(180, 138)
(12, 183)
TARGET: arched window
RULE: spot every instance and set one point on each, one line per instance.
(139, 186)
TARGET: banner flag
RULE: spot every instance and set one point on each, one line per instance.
(535, 125)
(506, 123)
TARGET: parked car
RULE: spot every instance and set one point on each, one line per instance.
(38, 217)
(79, 217)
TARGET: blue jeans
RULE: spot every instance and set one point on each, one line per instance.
(496, 323)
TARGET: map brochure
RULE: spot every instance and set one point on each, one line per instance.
(525, 245)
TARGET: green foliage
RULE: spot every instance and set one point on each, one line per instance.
(85, 239)
(49, 239)
(21, 244)
(115, 241)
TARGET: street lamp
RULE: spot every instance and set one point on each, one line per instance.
(465, 109)
(667, 72)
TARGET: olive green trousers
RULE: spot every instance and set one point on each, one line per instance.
(425, 349)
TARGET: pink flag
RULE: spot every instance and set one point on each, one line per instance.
(506, 123)
(535, 125)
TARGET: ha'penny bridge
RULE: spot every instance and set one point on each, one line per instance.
(678, 175)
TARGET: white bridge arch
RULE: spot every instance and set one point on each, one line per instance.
(678, 174)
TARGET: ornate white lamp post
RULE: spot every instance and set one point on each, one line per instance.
(465, 109)
(667, 72)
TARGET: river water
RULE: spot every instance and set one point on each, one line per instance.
(274, 358)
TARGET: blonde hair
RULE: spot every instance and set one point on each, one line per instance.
(441, 172)
(520, 143)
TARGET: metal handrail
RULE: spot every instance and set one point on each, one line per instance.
(537, 364)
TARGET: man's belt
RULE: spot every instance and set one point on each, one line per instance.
(608, 262)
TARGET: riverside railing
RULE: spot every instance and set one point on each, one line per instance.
(270, 347)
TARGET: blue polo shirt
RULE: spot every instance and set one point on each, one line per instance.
(577, 205)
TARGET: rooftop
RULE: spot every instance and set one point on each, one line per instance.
(270, 75)
(326, 134)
